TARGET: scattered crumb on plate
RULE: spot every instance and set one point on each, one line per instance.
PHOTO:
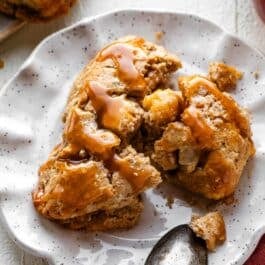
(225, 76)
(210, 227)
(230, 200)
(256, 75)
(170, 201)
(159, 35)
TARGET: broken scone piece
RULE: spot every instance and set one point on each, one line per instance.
(93, 179)
(210, 144)
(210, 227)
(35, 10)
(162, 107)
(125, 128)
(224, 76)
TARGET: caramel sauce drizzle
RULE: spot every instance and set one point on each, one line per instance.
(200, 129)
(100, 142)
(229, 104)
(76, 188)
(137, 177)
(123, 56)
(107, 107)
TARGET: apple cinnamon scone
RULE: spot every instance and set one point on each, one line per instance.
(35, 10)
(211, 228)
(125, 129)
(94, 177)
(224, 76)
(208, 147)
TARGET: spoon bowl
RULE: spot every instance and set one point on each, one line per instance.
(179, 246)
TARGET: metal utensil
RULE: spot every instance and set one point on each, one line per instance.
(9, 26)
(179, 246)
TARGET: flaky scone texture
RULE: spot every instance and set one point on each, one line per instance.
(211, 228)
(125, 127)
(94, 177)
(209, 146)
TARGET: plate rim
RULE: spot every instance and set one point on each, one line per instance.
(256, 236)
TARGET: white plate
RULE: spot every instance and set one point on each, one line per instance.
(31, 106)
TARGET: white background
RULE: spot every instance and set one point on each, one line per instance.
(236, 16)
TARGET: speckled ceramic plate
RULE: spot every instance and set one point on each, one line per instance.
(31, 106)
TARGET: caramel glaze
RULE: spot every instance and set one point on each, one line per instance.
(200, 129)
(109, 110)
(138, 177)
(229, 104)
(100, 142)
(123, 56)
(76, 188)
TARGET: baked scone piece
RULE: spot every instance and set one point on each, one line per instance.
(210, 227)
(210, 145)
(94, 177)
(162, 107)
(225, 76)
(35, 10)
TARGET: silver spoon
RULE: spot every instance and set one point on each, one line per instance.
(9, 26)
(179, 246)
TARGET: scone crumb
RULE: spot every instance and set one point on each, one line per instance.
(256, 75)
(230, 200)
(159, 35)
(224, 76)
(170, 201)
(210, 227)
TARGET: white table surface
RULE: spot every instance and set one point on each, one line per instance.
(236, 16)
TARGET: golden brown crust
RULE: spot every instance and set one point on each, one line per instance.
(123, 218)
(162, 107)
(215, 140)
(124, 127)
(225, 76)
(95, 160)
(210, 227)
(36, 10)
(65, 189)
